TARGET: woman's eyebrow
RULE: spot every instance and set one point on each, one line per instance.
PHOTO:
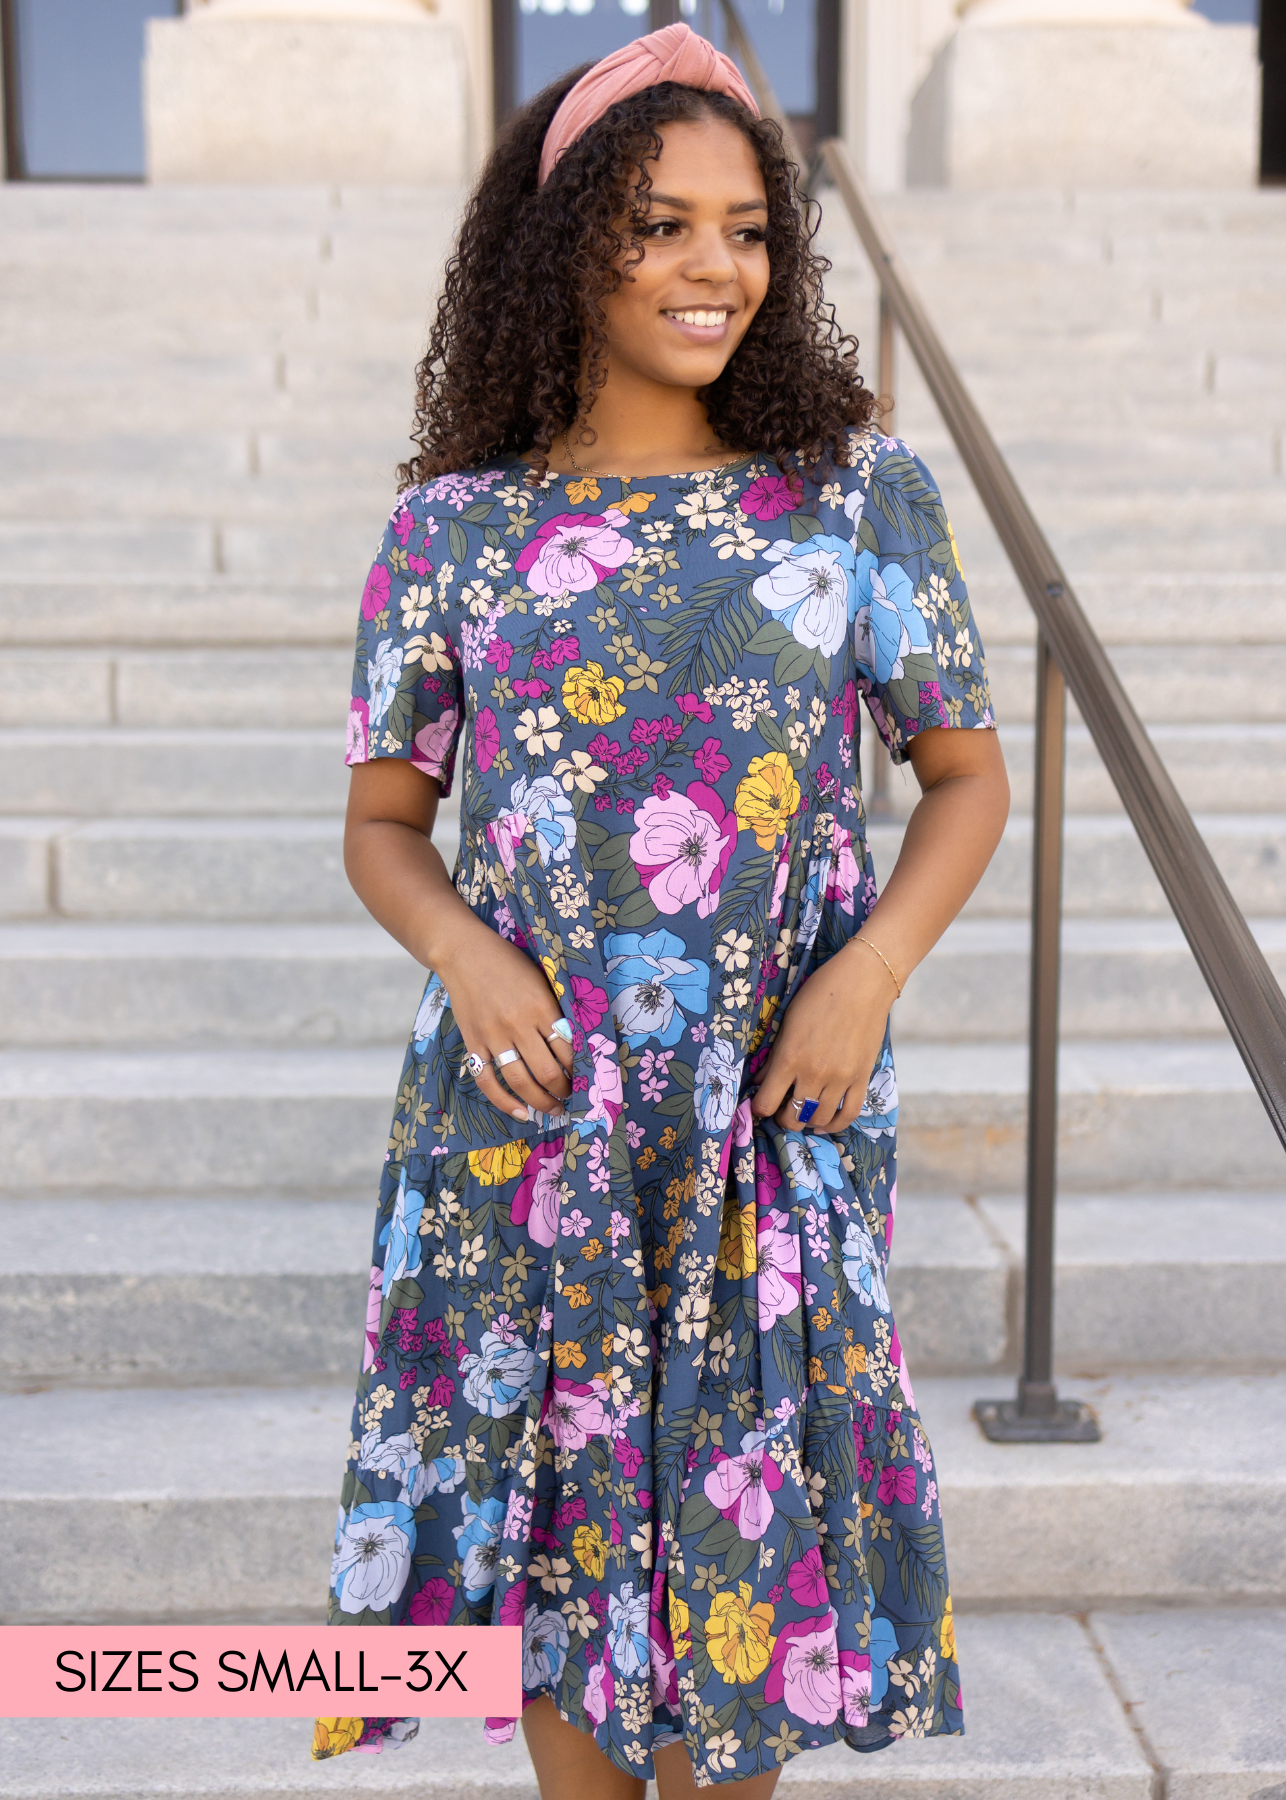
(737, 206)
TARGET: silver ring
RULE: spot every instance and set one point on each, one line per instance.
(505, 1058)
(560, 1031)
(475, 1064)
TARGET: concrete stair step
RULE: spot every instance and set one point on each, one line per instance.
(151, 1517)
(1046, 1720)
(195, 1290)
(314, 1120)
(146, 985)
(143, 985)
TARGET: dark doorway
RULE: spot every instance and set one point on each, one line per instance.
(797, 40)
(1272, 54)
(73, 95)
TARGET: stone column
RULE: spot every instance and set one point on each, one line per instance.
(291, 91)
(1087, 93)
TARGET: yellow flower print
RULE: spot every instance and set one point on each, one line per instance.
(591, 696)
(947, 1633)
(955, 550)
(589, 1547)
(739, 1636)
(331, 1737)
(737, 1241)
(550, 967)
(568, 1354)
(679, 1625)
(767, 796)
(499, 1163)
(584, 489)
(577, 1294)
(632, 503)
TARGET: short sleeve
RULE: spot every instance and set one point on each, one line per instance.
(920, 660)
(408, 689)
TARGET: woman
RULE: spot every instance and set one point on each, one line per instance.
(632, 1381)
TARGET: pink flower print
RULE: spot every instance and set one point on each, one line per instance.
(375, 594)
(931, 707)
(855, 1686)
(662, 787)
(629, 1456)
(806, 1579)
(606, 1097)
(645, 731)
(897, 1356)
(359, 714)
(602, 748)
(671, 730)
(435, 1335)
(633, 1133)
(769, 497)
(575, 1224)
(589, 1003)
(421, 564)
(681, 848)
(500, 655)
(577, 1414)
(741, 1133)
(844, 706)
(571, 553)
(742, 1488)
(434, 744)
(599, 1696)
(486, 739)
(804, 1671)
(531, 688)
(514, 1605)
(517, 1515)
(778, 1278)
(654, 1071)
(408, 1378)
(843, 874)
(709, 760)
(402, 523)
(442, 1393)
(506, 833)
(897, 1484)
(695, 708)
(602, 802)
(535, 1205)
(432, 1605)
(570, 1512)
(600, 1174)
(563, 649)
(930, 1499)
(779, 884)
(374, 1301)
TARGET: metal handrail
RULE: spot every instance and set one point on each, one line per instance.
(1068, 655)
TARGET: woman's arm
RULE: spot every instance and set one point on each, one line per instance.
(831, 1034)
(500, 997)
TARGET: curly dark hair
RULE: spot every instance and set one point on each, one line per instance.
(524, 288)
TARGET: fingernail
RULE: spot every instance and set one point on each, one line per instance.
(520, 1115)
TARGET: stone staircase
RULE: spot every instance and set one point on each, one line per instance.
(200, 1033)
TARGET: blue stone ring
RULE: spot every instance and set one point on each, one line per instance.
(561, 1029)
(805, 1109)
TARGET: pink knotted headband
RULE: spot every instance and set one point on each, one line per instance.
(675, 53)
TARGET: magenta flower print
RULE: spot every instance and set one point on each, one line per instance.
(486, 739)
(897, 1484)
(374, 1302)
(843, 873)
(855, 1686)
(769, 498)
(571, 553)
(709, 760)
(742, 1488)
(432, 1605)
(500, 655)
(402, 524)
(606, 1093)
(589, 1002)
(805, 1670)
(695, 707)
(681, 848)
(375, 595)
(806, 1579)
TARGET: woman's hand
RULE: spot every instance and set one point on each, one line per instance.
(829, 1043)
(502, 1001)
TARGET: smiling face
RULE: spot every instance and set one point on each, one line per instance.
(682, 310)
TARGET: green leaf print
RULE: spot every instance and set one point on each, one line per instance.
(803, 526)
(405, 1294)
(792, 663)
(475, 514)
(771, 637)
(635, 912)
(458, 541)
(922, 1566)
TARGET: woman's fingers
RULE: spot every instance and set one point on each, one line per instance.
(488, 1085)
(544, 1065)
(774, 1087)
(829, 1097)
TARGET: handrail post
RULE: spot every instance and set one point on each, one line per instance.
(879, 805)
(1038, 1415)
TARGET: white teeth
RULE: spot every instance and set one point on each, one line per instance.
(701, 318)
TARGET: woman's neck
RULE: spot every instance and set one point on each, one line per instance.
(641, 428)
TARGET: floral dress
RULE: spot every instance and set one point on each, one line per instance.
(631, 1378)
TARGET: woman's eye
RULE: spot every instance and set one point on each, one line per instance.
(661, 227)
(752, 234)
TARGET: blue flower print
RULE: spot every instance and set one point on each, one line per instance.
(879, 1115)
(545, 1639)
(498, 1374)
(863, 1267)
(401, 1235)
(652, 984)
(814, 1166)
(889, 625)
(811, 589)
(383, 672)
(549, 815)
(479, 1542)
(372, 1560)
(627, 1630)
(882, 1648)
(433, 1004)
(717, 1084)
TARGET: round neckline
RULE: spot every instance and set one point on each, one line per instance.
(737, 462)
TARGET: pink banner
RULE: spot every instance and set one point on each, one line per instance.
(259, 1672)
